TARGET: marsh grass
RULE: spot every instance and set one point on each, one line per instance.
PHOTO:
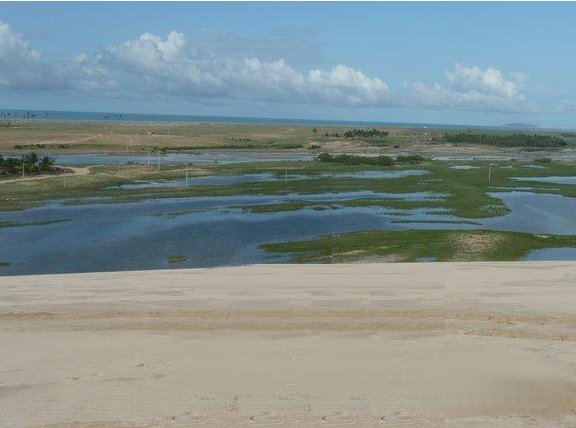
(4, 224)
(177, 259)
(411, 245)
(467, 191)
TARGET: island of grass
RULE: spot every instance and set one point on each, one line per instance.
(177, 259)
(370, 160)
(418, 245)
(4, 224)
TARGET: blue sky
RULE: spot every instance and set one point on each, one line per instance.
(468, 63)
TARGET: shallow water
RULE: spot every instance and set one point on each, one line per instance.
(534, 166)
(552, 180)
(207, 157)
(464, 167)
(208, 180)
(535, 213)
(223, 180)
(551, 254)
(214, 231)
(426, 259)
(142, 235)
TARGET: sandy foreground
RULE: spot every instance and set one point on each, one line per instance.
(419, 345)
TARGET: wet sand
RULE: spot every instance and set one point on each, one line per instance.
(430, 345)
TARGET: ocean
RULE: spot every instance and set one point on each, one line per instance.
(7, 114)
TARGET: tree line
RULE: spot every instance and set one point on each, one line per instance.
(356, 134)
(31, 164)
(506, 140)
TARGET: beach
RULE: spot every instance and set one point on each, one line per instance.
(425, 344)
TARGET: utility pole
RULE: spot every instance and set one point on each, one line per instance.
(490, 174)
(23, 164)
(148, 151)
(186, 175)
(158, 159)
(286, 176)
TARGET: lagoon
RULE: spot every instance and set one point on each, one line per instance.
(214, 231)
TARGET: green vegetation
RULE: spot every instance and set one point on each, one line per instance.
(177, 259)
(369, 160)
(382, 203)
(359, 134)
(31, 223)
(29, 146)
(507, 140)
(464, 192)
(369, 134)
(30, 164)
(412, 245)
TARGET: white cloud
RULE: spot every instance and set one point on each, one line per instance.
(21, 66)
(471, 88)
(474, 79)
(173, 65)
(202, 70)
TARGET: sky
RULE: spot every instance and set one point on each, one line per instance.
(452, 63)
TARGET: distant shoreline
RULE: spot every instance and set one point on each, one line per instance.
(79, 116)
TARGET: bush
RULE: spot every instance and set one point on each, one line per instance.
(367, 160)
(409, 159)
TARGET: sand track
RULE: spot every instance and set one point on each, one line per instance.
(75, 171)
(395, 345)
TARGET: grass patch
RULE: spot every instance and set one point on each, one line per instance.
(177, 259)
(466, 190)
(409, 246)
(31, 223)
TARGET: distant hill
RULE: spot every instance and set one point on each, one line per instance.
(520, 125)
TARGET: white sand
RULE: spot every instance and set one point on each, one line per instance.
(420, 345)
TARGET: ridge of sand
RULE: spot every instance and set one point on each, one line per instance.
(429, 344)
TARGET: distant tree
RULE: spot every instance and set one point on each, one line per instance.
(46, 164)
(368, 134)
(31, 163)
(507, 140)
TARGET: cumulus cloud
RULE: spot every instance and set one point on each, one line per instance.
(21, 66)
(471, 88)
(202, 70)
(174, 65)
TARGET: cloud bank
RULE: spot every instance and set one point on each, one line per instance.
(174, 66)
(470, 88)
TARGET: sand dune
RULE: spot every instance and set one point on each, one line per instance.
(431, 345)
